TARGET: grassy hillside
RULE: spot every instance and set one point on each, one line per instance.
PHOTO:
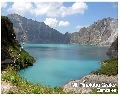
(109, 68)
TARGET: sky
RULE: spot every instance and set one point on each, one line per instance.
(63, 16)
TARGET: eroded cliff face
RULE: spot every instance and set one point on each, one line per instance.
(103, 32)
(36, 32)
(113, 50)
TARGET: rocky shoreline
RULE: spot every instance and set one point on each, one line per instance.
(82, 85)
(6, 87)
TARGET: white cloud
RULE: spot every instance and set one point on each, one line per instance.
(46, 8)
(3, 4)
(20, 8)
(79, 26)
(52, 22)
(51, 9)
(79, 7)
(76, 8)
(62, 23)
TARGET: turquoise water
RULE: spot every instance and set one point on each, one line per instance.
(57, 64)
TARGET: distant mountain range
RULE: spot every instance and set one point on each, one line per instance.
(103, 32)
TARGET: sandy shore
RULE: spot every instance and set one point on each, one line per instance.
(77, 85)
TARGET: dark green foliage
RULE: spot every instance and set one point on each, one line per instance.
(109, 67)
(23, 60)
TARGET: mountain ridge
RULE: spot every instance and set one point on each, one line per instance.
(36, 32)
(102, 32)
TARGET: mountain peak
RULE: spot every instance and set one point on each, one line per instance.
(101, 33)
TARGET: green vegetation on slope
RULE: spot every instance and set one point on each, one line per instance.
(109, 67)
(22, 58)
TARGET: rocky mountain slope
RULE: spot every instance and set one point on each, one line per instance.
(103, 32)
(36, 32)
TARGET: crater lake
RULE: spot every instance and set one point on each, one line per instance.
(57, 64)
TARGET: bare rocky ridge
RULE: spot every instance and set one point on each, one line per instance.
(103, 32)
(36, 32)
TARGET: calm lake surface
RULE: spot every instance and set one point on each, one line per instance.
(57, 64)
